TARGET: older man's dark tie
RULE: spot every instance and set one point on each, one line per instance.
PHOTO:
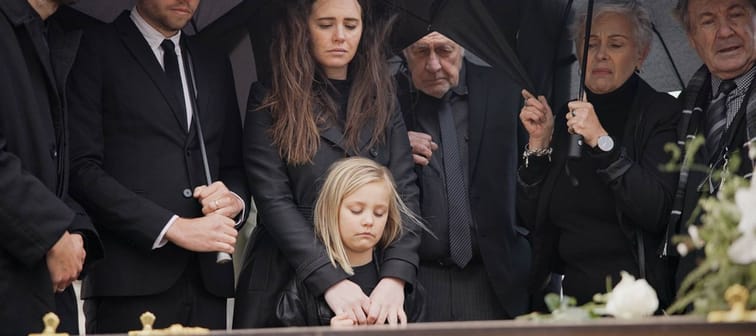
(171, 66)
(459, 216)
(716, 117)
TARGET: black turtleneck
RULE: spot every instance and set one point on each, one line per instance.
(613, 108)
(591, 244)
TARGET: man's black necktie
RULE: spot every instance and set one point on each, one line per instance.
(171, 66)
(716, 117)
(459, 217)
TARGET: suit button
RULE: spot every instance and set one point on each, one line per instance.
(53, 152)
(374, 152)
(188, 153)
(187, 193)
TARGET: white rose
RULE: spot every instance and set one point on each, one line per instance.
(746, 200)
(631, 298)
(743, 250)
(695, 237)
(682, 249)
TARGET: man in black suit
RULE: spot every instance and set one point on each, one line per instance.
(477, 266)
(44, 232)
(138, 169)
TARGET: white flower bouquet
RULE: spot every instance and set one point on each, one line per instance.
(630, 299)
(727, 235)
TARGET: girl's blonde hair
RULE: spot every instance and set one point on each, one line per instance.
(344, 178)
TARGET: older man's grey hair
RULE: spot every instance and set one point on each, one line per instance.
(631, 9)
(681, 12)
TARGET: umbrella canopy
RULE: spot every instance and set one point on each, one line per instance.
(658, 68)
(469, 23)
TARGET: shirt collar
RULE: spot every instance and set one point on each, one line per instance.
(743, 82)
(154, 38)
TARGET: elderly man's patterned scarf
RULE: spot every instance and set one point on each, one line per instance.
(694, 100)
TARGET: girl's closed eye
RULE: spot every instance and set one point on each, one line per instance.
(380, 211)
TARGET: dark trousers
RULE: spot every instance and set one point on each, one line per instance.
(454, 294)
(187, 303)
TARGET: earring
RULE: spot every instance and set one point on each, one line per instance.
(637, 71)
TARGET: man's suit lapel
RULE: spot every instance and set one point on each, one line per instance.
(64, 53)
(138, 47)
(478, 106)
(43, 54)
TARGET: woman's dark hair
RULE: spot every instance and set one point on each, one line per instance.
(299, 87)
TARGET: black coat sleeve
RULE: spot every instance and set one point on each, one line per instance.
(529, 184)
(641, 190)
(401, 259)
(82, 225)
(32, 218)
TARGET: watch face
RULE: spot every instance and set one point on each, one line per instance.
(605, 143)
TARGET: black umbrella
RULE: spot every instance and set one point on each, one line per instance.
(576, 140)
(469, 23)
(250, 22)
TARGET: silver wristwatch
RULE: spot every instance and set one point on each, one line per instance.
(605, 143)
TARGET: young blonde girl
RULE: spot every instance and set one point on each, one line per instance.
(357, 214)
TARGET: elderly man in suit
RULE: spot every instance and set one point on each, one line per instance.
(719, 102)
(464, 135)
(138, 169)
(44, 231)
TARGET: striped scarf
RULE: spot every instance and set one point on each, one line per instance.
(694, 99)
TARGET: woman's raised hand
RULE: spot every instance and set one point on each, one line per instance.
(538, 120)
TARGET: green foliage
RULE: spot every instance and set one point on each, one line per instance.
(705, 286)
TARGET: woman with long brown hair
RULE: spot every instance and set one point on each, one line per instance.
(332, 99)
